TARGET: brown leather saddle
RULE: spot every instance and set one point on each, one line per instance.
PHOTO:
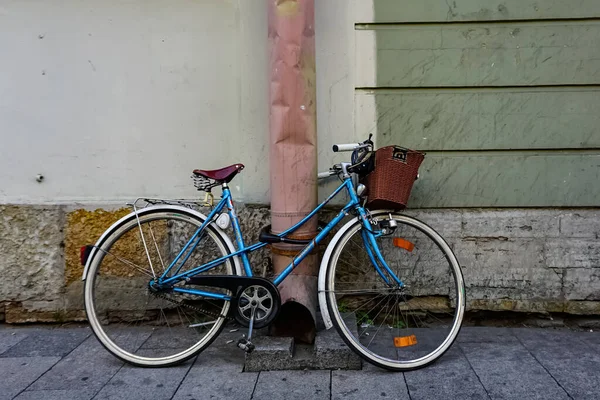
(221, 175)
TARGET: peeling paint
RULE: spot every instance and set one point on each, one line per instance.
(287, 8)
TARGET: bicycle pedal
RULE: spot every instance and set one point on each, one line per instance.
(245, 345)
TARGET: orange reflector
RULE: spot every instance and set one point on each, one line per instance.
(405, 341)
(404, 244)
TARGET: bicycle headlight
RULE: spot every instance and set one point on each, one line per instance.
(360, 189)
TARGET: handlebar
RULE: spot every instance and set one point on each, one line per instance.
(322, 175)
(334, 170)
(353, 146)
(345, 147)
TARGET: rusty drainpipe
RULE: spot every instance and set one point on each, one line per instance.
(293, 159)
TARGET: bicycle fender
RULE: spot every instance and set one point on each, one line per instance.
(236, 261)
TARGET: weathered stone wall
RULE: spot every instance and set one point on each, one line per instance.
(519, 260)
(32, 262)
(525, 260)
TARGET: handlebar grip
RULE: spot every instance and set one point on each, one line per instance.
(345, 147)
(322, 175)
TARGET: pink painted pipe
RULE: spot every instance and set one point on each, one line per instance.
(293, 155)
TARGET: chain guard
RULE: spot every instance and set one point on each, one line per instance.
(237, 285)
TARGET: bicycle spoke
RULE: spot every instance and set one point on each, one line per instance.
(146, 247)
(365, 291)
(382, 322)
(124, 261)
(367, 313)
(157, 250)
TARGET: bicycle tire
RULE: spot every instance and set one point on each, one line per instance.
(342, 310)
(121, 313)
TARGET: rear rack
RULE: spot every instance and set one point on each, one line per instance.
(143, 202)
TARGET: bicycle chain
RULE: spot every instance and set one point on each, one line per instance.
(209, 313)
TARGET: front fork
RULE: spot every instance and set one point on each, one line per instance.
(372, 230)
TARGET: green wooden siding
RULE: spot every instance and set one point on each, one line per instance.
(507, 110)
(481, 55)
(475, 119)
(501, 179)
(395, 11)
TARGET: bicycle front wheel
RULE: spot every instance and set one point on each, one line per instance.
(396, 326)
(146, 327)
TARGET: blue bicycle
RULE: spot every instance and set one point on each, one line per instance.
(162, 282)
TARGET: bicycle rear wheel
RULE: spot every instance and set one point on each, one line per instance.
(142, 326)
(394, 327)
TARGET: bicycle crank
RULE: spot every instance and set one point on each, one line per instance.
(243, 343)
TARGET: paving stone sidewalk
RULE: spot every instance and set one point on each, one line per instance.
(41, 362)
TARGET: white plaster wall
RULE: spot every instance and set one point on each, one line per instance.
(335, 54)
(115, 99)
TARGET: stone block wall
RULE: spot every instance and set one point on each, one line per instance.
(525, 260)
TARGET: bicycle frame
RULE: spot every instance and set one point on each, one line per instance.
(226, 201)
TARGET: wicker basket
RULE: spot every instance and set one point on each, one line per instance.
(390, 183)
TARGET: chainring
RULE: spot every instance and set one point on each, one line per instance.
(247, 290)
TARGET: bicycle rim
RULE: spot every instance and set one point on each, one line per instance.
(139, 325)
(389, 326)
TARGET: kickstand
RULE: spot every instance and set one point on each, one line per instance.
(245, 343)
